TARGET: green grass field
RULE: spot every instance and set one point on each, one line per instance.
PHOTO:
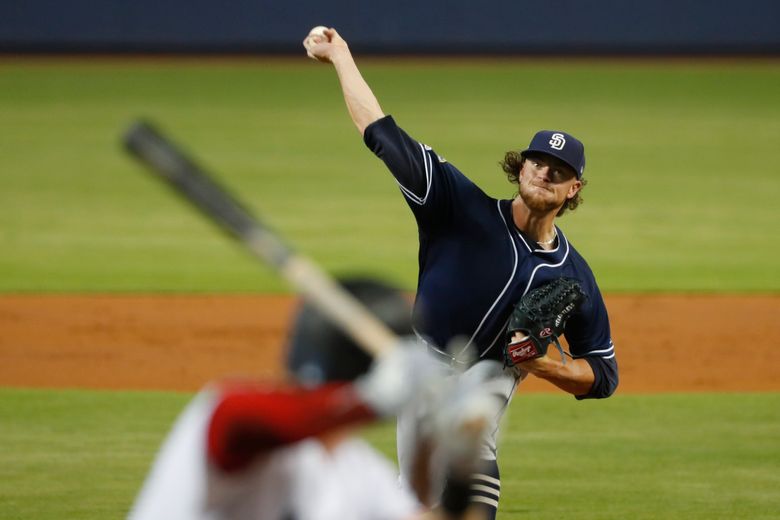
(683, 169)
(82, 455)
(682, 163)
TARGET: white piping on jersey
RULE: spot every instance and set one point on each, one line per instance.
(503, 291)
(541, 250)
(428, 179)
(562, 239)
(533, 273)
(500, 334)
(607, 350)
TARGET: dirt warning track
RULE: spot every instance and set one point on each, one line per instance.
(665, 343)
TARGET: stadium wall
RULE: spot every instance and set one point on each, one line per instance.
(401, 26)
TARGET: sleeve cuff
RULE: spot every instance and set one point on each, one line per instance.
(371, 131)
(597, 377)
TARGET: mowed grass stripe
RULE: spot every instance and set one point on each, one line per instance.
(680, 163)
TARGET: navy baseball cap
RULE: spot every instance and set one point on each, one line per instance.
(559, 144)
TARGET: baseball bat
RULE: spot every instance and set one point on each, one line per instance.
(165, 159)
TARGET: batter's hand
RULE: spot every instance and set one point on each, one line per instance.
(325, 47)
(399, 376)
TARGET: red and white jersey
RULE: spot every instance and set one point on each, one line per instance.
(300, 481)
(307, 482)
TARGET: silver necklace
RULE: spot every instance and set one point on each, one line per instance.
(549, 242)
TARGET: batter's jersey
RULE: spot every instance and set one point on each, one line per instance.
(301, 481)
(475, 265)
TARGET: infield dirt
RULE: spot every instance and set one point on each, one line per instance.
(665, 343)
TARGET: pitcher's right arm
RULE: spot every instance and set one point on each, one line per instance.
(361, 103)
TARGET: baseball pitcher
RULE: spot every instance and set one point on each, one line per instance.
(482, 260)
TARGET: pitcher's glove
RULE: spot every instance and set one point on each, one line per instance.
(541, 317)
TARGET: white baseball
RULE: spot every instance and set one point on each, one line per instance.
(316, 35)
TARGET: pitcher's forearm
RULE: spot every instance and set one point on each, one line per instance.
(363, 106)
(575, 377)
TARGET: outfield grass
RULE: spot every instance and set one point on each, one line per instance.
(77, 454)
(682, 163)
(82, 455)
(683, 169)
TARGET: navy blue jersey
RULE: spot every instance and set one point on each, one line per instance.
(474, 264)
